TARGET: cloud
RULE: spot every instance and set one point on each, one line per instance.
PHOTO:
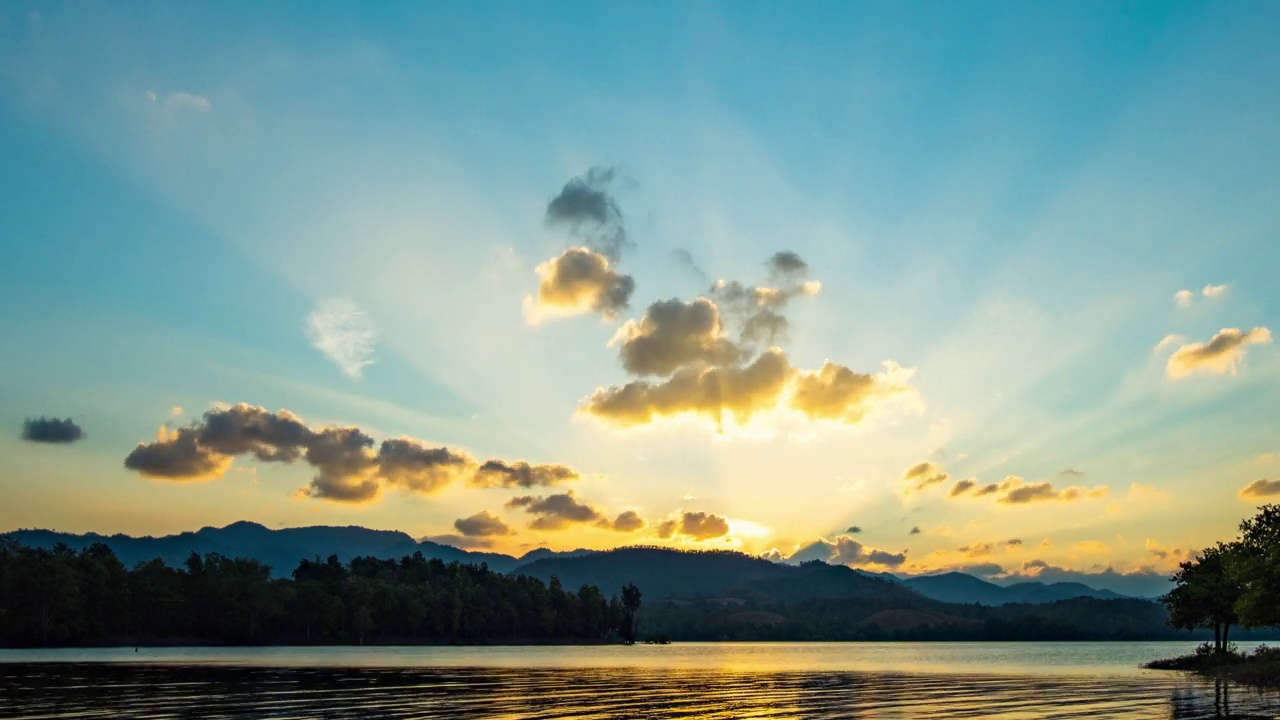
(962, 486)
(673, 334)
(347, 468)
(684, 259)
(51, 430)
(482, 524)
(413, 465)
(556, 512)
(854, 530)
(587, 208)
(496, 473)
(1222, 354)
(1071, 472)
(1214, 292)
(629, 521)
(1173, 556)
(177, 455)
(703, 526)
(757, 311)
(1169, 341)
(695, 525)
(915, 530)
(923, 475)
(1184, 298)
(1017, 492)
(1259, 489)
(845, 550)
(344, 334)
(739, 393)
(576, 282)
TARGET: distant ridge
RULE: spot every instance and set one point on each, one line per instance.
(662, 572)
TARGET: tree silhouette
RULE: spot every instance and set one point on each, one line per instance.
(1206, 593)
(630, 606)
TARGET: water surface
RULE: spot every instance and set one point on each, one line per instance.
(711, 680)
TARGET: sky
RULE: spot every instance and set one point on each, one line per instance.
(907, 286)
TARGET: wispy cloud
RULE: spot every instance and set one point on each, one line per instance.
(344, 334)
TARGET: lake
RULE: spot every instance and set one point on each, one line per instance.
(686, 680)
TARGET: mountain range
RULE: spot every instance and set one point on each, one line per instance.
(660, 572)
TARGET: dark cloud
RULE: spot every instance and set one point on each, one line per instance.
(695, 525)
(1017, 492)
(854, 530)
(962, 486)
(684, 259)
(556, 512)
(579, 281)
(1261, 488)
(177, 455)
(674, 334)
(51, 430)
(586, 206)
(1013, 543)
(414, 465)
(846, 551)
(915, 530)
(496, 473)
(347, 469)
(787, 263)
(629, 521)
(482, 524)
(924, 475)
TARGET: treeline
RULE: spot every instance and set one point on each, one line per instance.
(63, 597)
(875, 619)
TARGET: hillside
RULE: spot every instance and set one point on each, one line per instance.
(281, 549)
(965, 589)
(664, 573)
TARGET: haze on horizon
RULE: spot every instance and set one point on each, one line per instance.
(982, 288)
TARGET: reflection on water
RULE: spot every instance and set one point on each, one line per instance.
(617, 690)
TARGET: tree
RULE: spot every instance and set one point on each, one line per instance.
(1206, 593)
(1256, 569)
(630, 606)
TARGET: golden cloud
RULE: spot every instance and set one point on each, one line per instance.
(924, 475)
(347, 468)
(1260, 489)
(576, 282)
(1018, 492)
(1221, 355)
(674, 334)
(482, 524)
(694, 525)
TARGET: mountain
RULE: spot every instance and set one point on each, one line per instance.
(955, 587)
(281, 549)
(664, 573)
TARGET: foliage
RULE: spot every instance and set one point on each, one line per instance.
(1256, 568)
(60, 596)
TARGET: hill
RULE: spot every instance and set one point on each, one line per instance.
(281, 549)
(664, 573)
(965, 589)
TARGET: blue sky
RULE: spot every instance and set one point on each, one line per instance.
(1001, 200)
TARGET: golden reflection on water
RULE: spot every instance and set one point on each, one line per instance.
(159, 691)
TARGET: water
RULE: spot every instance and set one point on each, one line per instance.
(687, 680)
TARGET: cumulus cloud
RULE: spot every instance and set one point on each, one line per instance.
(344, 334)
(482, 524)
(576, 282)
(1184, 298)
(1018, 492)
(923, 475)
(738, 393)
(1221, 355)
(55, 431)
(629, 521)
(694, 525)
(1214, 292)
(496, 473)
(556, 512)
(673, 334)
(347, 467)
(854, 530)
(962, 486)
(845, 550)
(1260, 489)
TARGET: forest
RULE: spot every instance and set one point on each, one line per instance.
(59, 597)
